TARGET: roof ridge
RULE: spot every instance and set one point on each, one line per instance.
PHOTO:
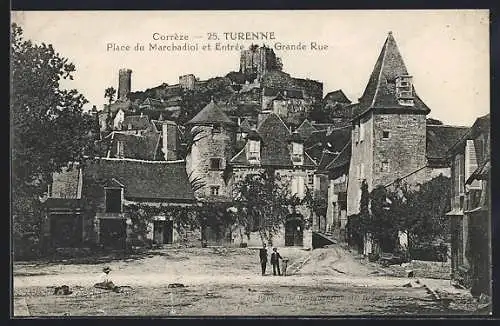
(449, 126)
(267, 117)
(340, 153)
(140, 161)
(377, 87)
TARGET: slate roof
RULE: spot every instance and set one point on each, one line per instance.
(136, 122)
(143, 146)
(481, 173)
(441, 138)
(144, 180)
(332, 140)
(337, 96)
(306, 129)
(275, 149)
(211, 114)
(248, 124)
(342, 159)
(380, 91)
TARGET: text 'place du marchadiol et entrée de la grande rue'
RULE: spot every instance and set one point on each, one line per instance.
(213, 41)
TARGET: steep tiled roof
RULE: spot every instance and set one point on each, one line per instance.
(136, 122)
(143, 180)
(441, 138)
(275, 149)
(332, 140)
(306, 129)
(142, 147)
(248, 124)
(341, 159)
(380, 91)
(337, 96)
(211, 114)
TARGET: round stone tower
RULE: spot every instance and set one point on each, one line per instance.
(124, 83)
(214, 136)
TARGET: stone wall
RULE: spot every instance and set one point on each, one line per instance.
(404, 149)
(209, 145)
(361, 158)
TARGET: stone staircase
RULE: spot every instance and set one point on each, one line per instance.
(323, 238)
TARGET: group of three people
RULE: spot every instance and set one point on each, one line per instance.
(275, 260)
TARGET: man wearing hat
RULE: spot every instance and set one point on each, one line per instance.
(275, 257)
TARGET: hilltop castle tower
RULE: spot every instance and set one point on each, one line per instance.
(259, 60)
(212, 148)
(124, 83)
(389, 127)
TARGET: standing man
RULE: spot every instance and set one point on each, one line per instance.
(263, 258)
(275, 257)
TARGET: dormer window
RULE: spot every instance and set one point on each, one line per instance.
(253, 151)
(404, 90)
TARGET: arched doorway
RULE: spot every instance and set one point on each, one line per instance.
(294, 231)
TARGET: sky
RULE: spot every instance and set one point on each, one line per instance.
(446, 51)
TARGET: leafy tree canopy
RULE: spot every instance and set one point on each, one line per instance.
(48, 126)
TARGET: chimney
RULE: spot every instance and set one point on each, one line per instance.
(124, 83)
(169, 140)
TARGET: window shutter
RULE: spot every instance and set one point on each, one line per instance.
(471, 163)
(222, 163)
(294, 186)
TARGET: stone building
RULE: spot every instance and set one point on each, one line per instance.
(257, 61)
(389, 127)
(124, 83)
(470, 214)
(212, 148)
(272, 146)
(88, 205)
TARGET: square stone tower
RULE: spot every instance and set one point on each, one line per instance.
(389, 127)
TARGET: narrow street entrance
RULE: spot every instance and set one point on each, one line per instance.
(294, 231)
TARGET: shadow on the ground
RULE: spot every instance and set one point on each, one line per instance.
(94, 258)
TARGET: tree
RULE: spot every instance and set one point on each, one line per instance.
(317, 203)
(263, 203)
(109, 93)
(48, 127)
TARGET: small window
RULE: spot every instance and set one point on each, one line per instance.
(385, 166)
(215, 163)
(214, 190)
(254, 147)
(297, 149)
(385, 134)
(310, 179)
(113, 200)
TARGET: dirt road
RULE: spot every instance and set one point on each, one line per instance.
(227, 282)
